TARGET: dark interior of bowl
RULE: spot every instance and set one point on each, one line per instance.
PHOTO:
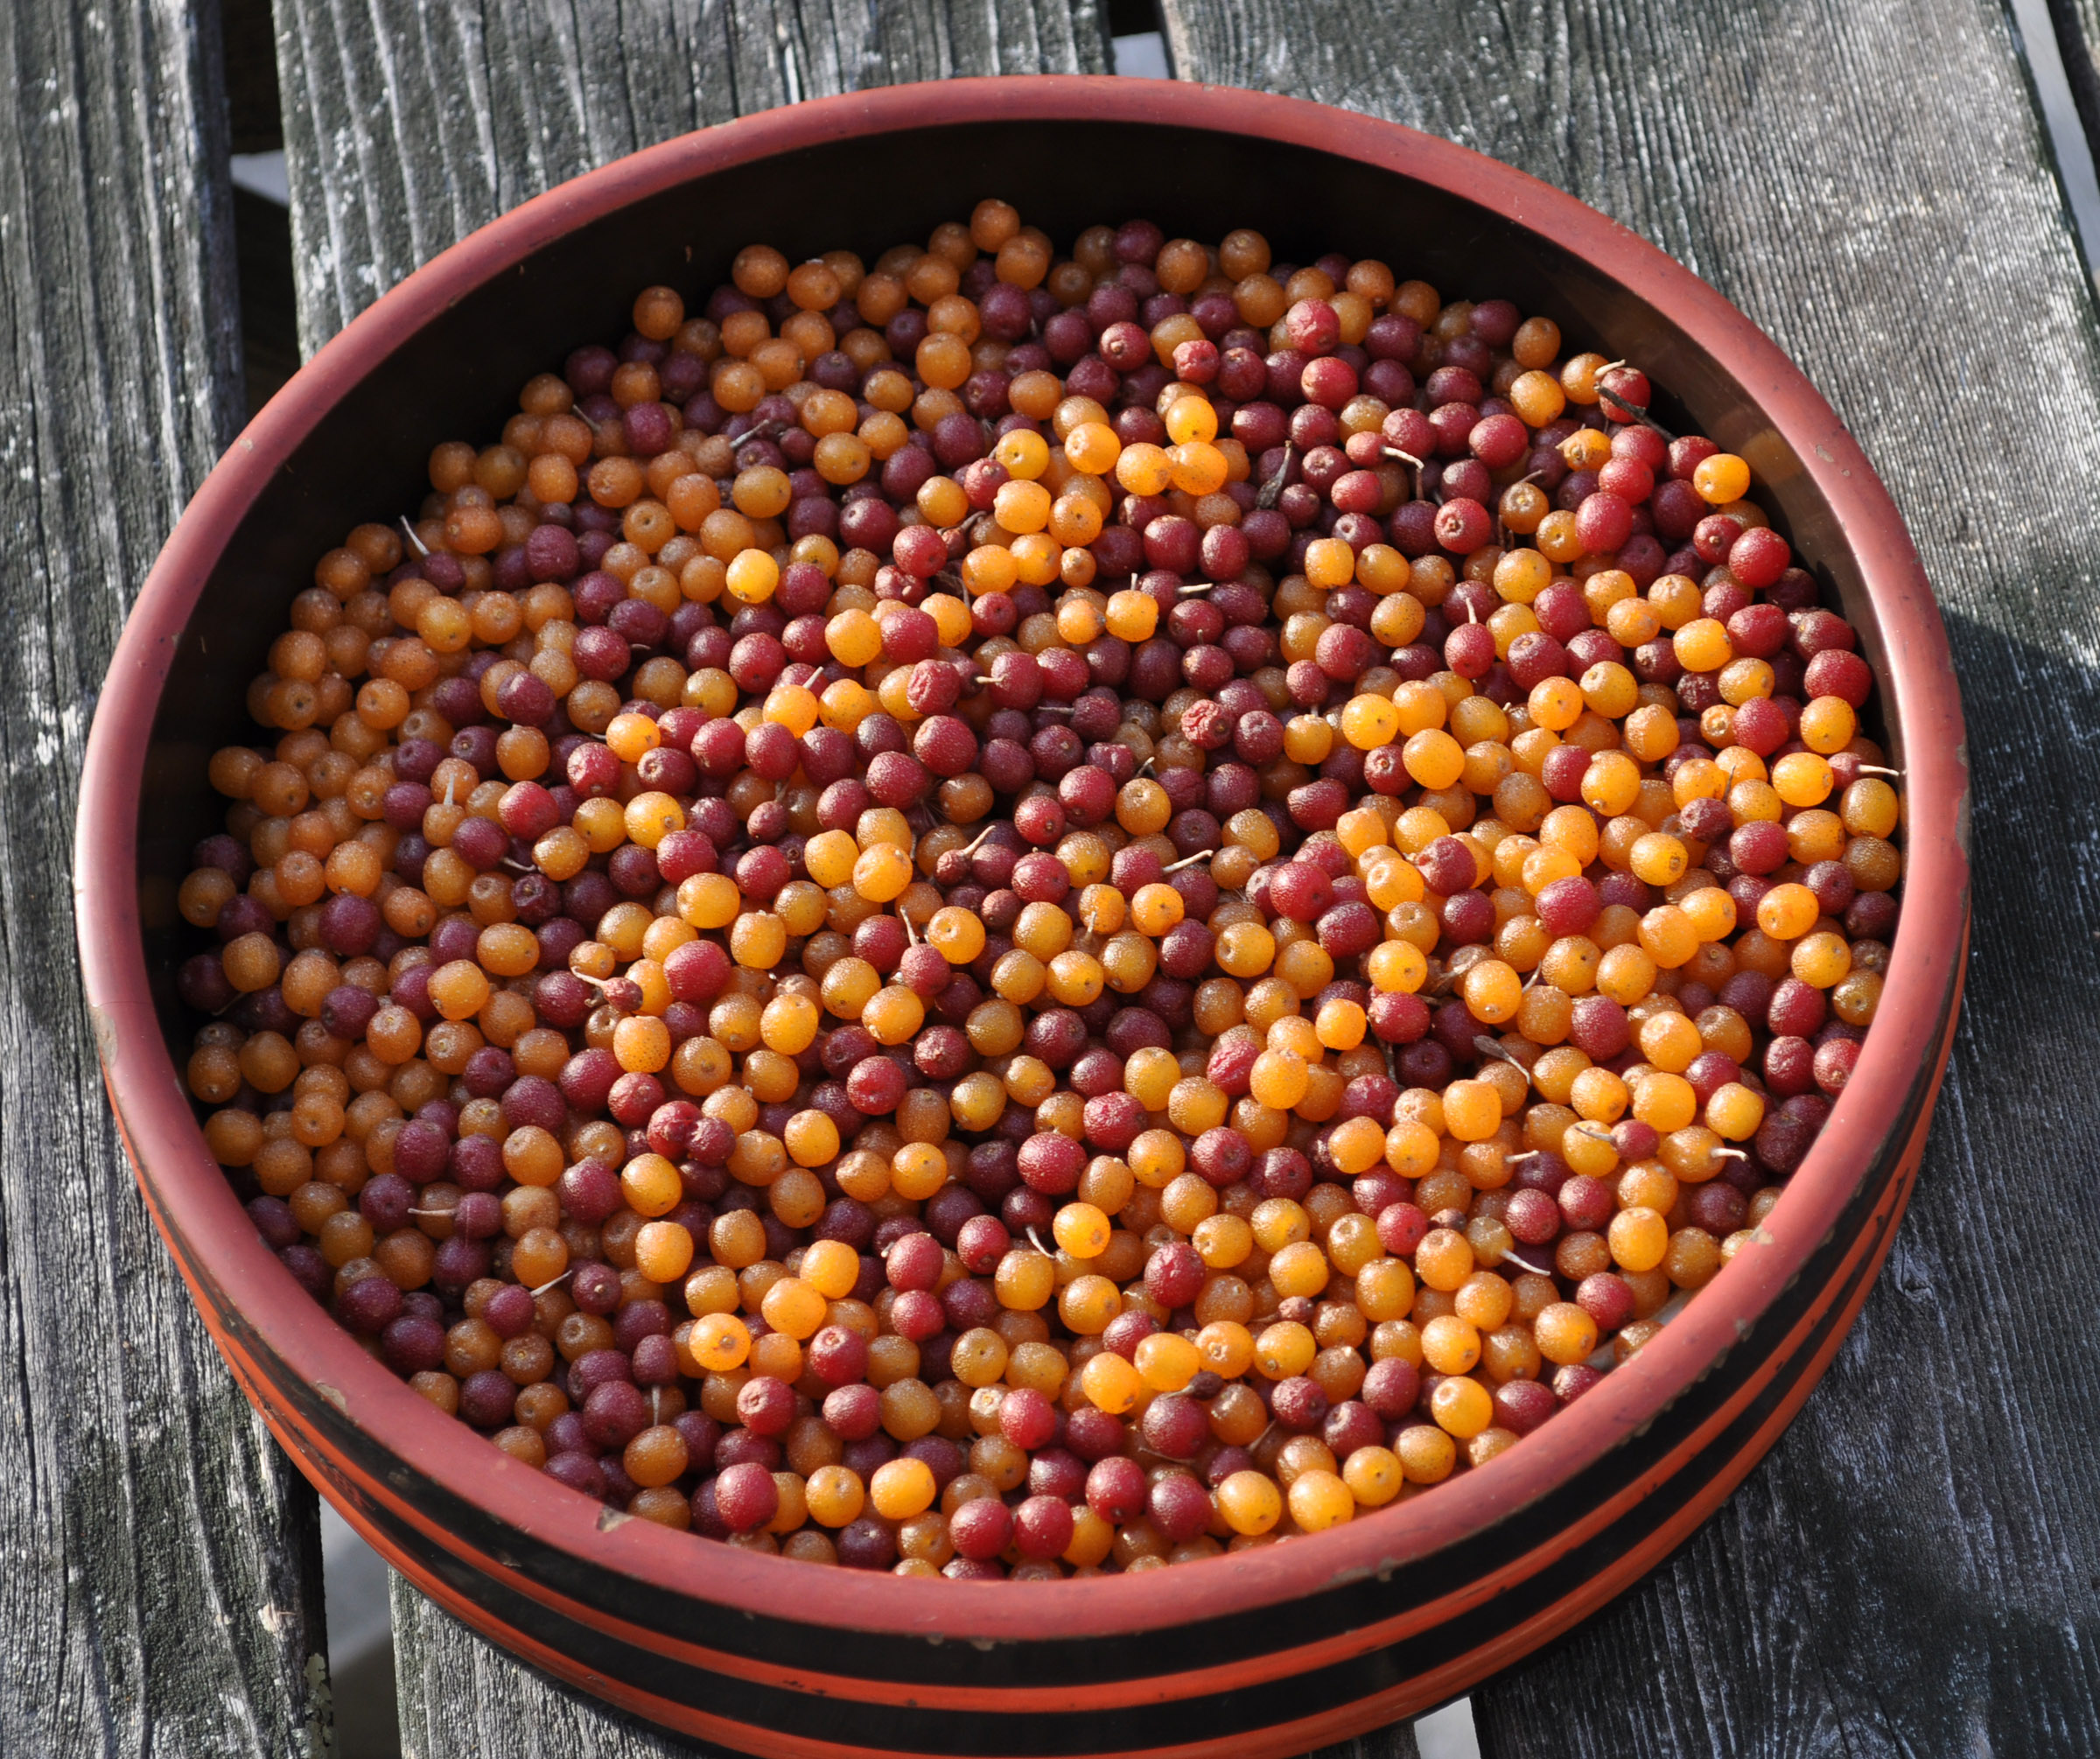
(459, 376)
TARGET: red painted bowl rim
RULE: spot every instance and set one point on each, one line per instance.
(193, 1199)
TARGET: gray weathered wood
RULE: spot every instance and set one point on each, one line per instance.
(460, 1695)
(407, 126)
(1914, 1568)
(158, 1560)
(2077, 26)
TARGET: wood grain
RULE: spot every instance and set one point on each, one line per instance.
(160, 1563)
(2076, 23)
(461, 1695)
(408, 125)
(1913, 1570)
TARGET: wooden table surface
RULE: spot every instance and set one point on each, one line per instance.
(1914, 1569)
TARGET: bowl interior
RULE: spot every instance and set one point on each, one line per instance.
(458, 376)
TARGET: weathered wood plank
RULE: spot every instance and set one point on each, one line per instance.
(407, 126)
(159, 1558)
(2076, 23)
(1913, 1570)
(461, 1695)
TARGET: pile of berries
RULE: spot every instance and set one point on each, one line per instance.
(1006, 914)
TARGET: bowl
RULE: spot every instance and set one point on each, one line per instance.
(1271, 1651)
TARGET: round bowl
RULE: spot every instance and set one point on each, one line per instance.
(1268, 1652)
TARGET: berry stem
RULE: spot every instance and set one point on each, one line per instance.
(1272, 490)
(1408, 458)
(1634, 411)
(1488, 1047)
